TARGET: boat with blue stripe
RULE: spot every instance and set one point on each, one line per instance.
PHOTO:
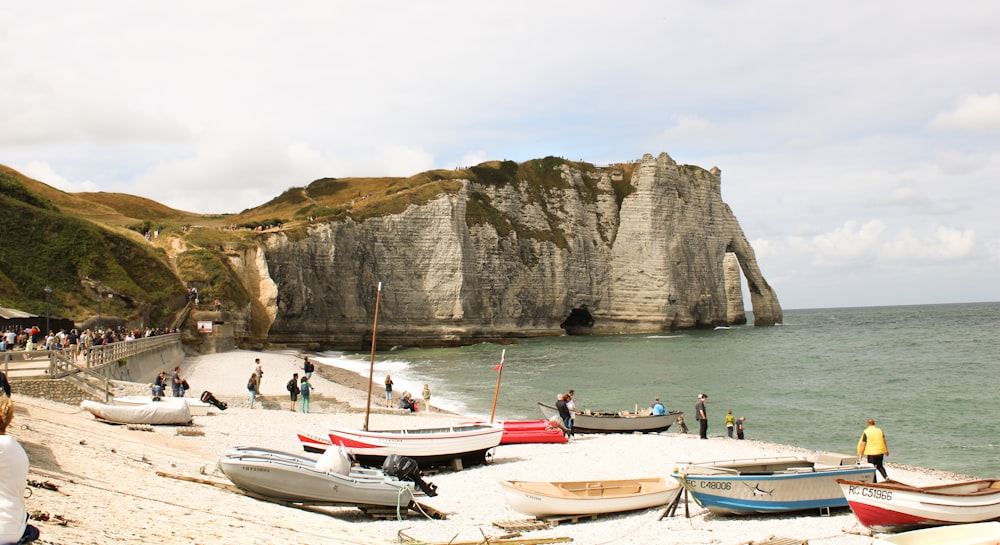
(772, 485)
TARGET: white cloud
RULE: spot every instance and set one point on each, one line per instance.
(974, 112)
(848, 244)
(48, 175)
(941, 244)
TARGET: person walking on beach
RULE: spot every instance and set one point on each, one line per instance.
(259, 371)
(426, 394)
(701, 416)
(571, 407)
(177, 383)
(564, 413)
(739, 427)
(730, 423)
(253, 386)
(305, 388)
(308, 368)
(874, 446)
(388, 391)
(14, 527)
(293, 390)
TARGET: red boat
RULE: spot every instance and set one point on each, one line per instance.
(529, 431)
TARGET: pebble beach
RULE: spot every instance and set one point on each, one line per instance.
(97, 483)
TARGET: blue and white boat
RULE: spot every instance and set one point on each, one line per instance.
(772, 485)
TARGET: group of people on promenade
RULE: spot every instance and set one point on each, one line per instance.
(73, 340)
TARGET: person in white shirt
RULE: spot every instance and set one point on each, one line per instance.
(14, 527)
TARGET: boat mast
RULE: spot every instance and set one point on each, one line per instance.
(496, 393)
(371, 366)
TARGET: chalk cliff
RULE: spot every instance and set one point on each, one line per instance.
(644, 247)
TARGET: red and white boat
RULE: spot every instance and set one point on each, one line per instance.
(428, 446)
(891, 506)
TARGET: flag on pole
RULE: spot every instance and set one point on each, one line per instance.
(499, 366)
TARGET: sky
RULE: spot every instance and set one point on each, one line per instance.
(859, 141)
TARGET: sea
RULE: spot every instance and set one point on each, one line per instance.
(928, 374)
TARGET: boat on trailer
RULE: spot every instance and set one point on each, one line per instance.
(550, 499)
(772, 485)
(615, 422)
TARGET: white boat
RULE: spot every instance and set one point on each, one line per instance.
(195, 406)
(331, 480)
(547, 499)
(978, 533)
(772, 485)
(892, 506)
(149, 413)
(428, 446)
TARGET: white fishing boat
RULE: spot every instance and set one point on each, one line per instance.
(195, 406)
(331, 480)
(771, 485)
(547, 499)
(892, 506)
(149, 413)
(428, 446)
(978, 533)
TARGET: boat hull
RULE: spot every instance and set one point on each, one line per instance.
(150, 413)
(428, 446)
(769, 486)
(195, 406)
(892, 507)
(615, 423)
(978, 533)
(287, 477)
(546, 499)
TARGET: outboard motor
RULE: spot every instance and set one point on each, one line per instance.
(407, 469)
(207, 397)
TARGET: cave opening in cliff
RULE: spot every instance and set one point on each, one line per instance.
(579, 321)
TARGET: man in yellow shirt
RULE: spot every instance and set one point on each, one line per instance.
(874, 446)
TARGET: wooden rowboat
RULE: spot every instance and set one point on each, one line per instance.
(892, 506)
(546, 499)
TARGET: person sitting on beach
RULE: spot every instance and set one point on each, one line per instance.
(406, 402)
(658, 408)
(680, 423)
(14, 527)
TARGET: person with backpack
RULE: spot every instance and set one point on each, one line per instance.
(308, 368)
(305, 389)
(293, 390)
